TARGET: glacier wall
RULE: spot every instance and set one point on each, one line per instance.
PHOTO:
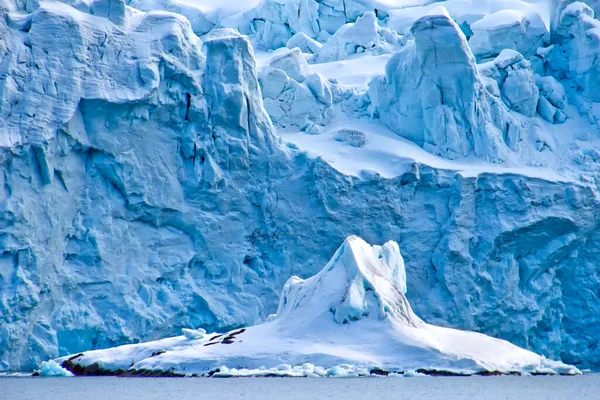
(144, 189)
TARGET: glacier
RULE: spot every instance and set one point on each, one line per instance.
(168, 165)
(350, 319)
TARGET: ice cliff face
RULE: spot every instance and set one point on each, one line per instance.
(102, 207)
(145, 188)
(433, 95)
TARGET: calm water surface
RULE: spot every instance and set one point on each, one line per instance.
(488, 388)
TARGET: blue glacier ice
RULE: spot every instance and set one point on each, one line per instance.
(148, 185)
(450, 112)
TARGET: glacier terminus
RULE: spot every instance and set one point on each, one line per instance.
(182, 178)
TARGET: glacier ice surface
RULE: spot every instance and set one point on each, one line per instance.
(451, 112)
(154, 181)
(362, 36)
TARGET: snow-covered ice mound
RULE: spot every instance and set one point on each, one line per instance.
(352, 318)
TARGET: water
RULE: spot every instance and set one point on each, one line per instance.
(488, 388)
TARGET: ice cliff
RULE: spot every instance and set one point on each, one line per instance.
(352, 316)
(155, 177)
(432, 94)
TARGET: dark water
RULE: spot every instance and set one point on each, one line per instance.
(487, 388)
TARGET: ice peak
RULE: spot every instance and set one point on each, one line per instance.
(360, 281)
(438, 27)
(439, 11)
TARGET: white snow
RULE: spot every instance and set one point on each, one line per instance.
(506, 19)
(356, 72)
(388, 155)
(468, 11)
(217, 9)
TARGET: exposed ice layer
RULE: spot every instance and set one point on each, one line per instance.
(553, 99)
(432, 94)
(37, 104)
(515, 81)
(508, 29)
(117, 160)
(577, 36)
(293, 97)
(292, 62)
(558, 33)
(349, 319)
(362, 36)
(274, 22)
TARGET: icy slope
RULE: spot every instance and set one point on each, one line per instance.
(354, 311)
(145, 188)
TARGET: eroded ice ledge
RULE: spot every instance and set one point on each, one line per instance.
(350, 319)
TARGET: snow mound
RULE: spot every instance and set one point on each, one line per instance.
(193, 333)
(304, 43)
(350, 319)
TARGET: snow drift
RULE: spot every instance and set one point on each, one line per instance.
(353, 312)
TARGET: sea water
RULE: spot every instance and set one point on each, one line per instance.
(488, 388)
